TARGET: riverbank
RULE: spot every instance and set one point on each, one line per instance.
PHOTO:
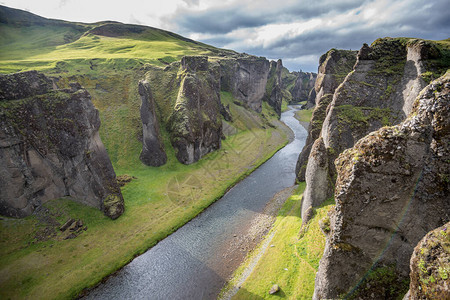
(288, 256)
(304, 116)
(195, 261)
(158, 201)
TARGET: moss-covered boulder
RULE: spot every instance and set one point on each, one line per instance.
(392, 188)
(50, 147)
(430, 266)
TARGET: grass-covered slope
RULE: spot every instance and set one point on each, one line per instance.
(29, 42)
(37, 263)
(291, 256)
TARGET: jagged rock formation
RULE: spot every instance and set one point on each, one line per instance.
(246, 79)
(392, 188)
(430, 266)
(195, 124)
(311, 102)
(300, 85)
(50, 148)
(274, 94)
(186, 96)
(303, 86)
(153, 153)
(378, 92)
(333, 67)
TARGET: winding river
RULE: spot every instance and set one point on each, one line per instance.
(195, 261)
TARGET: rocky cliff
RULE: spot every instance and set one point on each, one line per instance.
(299, 85)
(379, 91)
(153, 153)
(333, 67)
(195, 124)
(50, 148)
(303, 87)
(274, 87)
(246, 78)
(392, 188)
(185, 98)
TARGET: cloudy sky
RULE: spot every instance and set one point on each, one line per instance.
(296, 31)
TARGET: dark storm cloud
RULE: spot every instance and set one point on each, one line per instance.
(345, 24)
(245, 14)
(222, 21)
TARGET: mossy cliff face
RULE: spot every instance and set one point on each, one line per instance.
(185, 97)
(246, 78)
(430, 266)
(378, 92)
(274, 94)
(50, 148)
(299, 85)
(153, 153)
(195, 124)
(392, 188)
(334, 66)
(304, 88)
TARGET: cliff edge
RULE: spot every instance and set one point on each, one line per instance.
(392, 188)
(50, 148)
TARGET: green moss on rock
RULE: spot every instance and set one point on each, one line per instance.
(384, 281)
(430, 266)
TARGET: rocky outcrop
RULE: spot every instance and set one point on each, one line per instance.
(50, 147)
(153, 153)
(371, 96)
(299, 85)
(246, 79)
(333, 67)
(311, 102)
(430, 266)
(274, 94)
(195, 124)
(392, 188)
(185, 97)
(302, 88)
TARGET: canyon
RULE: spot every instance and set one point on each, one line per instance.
(139, 132)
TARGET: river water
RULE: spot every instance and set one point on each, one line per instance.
(193, 262)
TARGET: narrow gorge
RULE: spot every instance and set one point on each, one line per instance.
(136, 163)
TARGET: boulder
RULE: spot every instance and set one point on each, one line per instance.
(430, 266)
(274, 289)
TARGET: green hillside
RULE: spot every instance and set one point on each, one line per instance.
(29, 42)
(109, 59)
